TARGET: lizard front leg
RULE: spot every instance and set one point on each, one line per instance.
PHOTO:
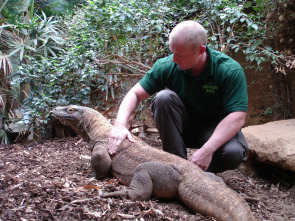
(101, 161)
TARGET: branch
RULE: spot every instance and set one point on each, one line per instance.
(230, 35)
(3, 6)
(116, 59)
(283, 61)
(126, 74)
(151, 46)
(219, 32)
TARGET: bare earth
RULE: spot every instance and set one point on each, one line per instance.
(53, 181)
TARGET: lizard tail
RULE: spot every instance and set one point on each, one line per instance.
(211, 198)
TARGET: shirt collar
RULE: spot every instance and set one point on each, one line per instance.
(208, 70)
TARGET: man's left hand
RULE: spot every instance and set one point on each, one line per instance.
(201, 158)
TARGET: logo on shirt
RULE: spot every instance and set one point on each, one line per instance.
(209, 88)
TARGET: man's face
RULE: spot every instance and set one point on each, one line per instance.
(184, 56)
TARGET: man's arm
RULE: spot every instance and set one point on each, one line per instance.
(128, 105)
(225, 130)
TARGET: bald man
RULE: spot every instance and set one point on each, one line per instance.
(201, 102)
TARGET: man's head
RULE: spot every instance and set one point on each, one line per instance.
(187, 41)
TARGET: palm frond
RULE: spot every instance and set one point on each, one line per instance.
(4, 139)
(2, 104)
(5, 64)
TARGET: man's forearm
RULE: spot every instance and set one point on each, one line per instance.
(225, 130)
(120, 132)
(129, 104)
(126, 108)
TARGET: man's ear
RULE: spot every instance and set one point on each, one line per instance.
(202, 48)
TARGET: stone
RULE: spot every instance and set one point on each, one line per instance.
(273, 143)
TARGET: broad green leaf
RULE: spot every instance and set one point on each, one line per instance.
(254, 26)
(248, 4)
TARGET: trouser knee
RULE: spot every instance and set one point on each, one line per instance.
(234, 158)
(228, 161)
(230, 156)
(163, 99)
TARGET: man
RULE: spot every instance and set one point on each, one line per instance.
(201, 102)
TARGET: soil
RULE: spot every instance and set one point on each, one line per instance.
(53, 180)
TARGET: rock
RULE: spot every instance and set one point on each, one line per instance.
(273, 143)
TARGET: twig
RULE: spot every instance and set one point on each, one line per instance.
(230, 35)
(126, 74)
(49, 211)
(151, 46)
(251, 199)
(139, 63)
(122, 60)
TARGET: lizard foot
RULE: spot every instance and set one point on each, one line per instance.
(116, 194)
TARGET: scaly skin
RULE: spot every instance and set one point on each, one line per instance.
(151, 172)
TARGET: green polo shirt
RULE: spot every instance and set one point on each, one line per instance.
(218, 91)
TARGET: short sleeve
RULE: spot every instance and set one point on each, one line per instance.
(235, 97)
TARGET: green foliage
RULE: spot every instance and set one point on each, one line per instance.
(241, 25)
(11, 9)
(29, 35)
(134, 29)
(36, 36)
(59, 7)
(5, 136)
(14, 7)
(56, 81)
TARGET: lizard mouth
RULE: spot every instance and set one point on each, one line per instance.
(59, 117)
(62, 121)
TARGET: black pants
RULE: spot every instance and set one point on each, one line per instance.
(179, 130)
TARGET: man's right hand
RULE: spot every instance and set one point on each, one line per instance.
(117, 136)
(128, 105)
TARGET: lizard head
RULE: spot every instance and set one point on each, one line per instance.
(71, 115)
(68, 113)
(87, 122)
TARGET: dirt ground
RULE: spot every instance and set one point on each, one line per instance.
(53, 181)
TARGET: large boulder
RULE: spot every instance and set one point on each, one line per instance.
(273, 143)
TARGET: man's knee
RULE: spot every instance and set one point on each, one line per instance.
(236, 149)
(228, 157)
(163, 97)
(235, 156)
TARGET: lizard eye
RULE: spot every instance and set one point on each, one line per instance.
(71, 110)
